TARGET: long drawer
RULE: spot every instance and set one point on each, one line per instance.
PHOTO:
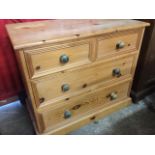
(61, 84)
(75, 107)
(118, 42)
(45, 60)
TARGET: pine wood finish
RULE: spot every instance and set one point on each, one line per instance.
(83, 104)
(50, 87)
(45, 60)
(95, 79)
(106, 44)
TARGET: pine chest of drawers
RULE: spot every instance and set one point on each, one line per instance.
(76, 71)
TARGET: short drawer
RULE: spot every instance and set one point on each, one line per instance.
(62, 84)
(56, 58)
(118, 42)
(76, 107)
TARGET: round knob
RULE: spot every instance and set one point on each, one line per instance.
(116, 72)
(64, 58)
(65, 87)
(67, 114)
(113, 96)
(38, 67)
(41, 100)
(120, 45)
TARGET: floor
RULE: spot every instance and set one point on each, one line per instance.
(136, 119)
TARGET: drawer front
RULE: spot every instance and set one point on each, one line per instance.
(78, 106)
(62, 84)
(52, 59)
(117, 43)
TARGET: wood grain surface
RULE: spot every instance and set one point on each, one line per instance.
(93, 90)
(51, 31)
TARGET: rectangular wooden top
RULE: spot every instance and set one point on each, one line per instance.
(29, 34)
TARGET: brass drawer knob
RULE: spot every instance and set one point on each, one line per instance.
(67, 114)
(41, 100)
(65, 87)
(116, 72)
(38, 67)
(64, 59)
(113, 96)
(120, 45)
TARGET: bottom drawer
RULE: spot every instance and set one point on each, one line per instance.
(78, 106)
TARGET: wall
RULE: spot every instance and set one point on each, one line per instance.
(10, 80)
